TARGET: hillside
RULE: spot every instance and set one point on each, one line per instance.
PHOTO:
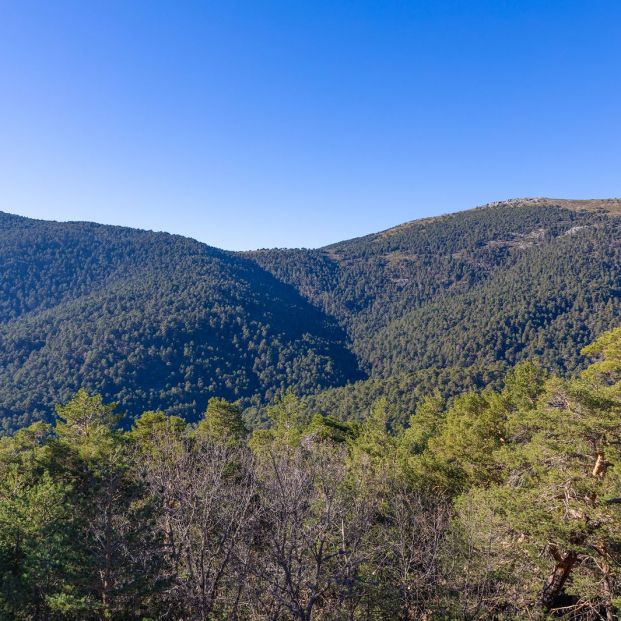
(149, 320)
(457, 299)
(152, 320)
(370, 281)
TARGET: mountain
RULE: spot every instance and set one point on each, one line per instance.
(451, 302)
(153, 320)
(149, 320)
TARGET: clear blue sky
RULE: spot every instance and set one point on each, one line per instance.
(291, 123)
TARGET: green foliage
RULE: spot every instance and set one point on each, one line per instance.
(87, 425)
(402, 393)
(554, 495)
(474, 427)
(459, 481)
(496, 504)
(288, 417)
(374, 438)
(222, 422)
(75, 536)
(496, 284)
(35, 534)
(327, 428)
(524, 385)
(454, 302)
(149, 429)
(607, 351)
(155, 321)
(425, 424)
(149, 321)
(548, 302)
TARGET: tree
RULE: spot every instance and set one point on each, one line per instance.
(416, 526)
(425, 424)
(205, 488)
(557, 493)
(222, 422)
(114, 515)
(304, 533)
(38, 557)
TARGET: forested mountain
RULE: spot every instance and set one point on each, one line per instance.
(520, 254)
(453, 301)
(152, 320)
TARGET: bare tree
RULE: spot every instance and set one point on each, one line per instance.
(207, 493)
(305, 521)
(417, 526)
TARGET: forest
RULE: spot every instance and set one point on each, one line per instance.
(149, 320)
(156, 321)
(501, 503)
(266, 353)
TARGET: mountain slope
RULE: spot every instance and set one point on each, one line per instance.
(153, 320)
(453, 301)
(370, 282)
(551, 301)
(150, 320)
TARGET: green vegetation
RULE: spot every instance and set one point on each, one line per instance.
(402, 393)
(499, 282)
(456, 301)
(150, 321)
(495, 504)
(154, 321)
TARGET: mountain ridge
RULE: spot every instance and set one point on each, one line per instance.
(150, 320)
(155, 320)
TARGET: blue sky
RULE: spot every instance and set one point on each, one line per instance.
(289, 123)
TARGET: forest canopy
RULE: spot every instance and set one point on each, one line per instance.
(496, 504)
(156, 321)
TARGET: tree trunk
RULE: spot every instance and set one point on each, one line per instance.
(556, 580)
(610, 610)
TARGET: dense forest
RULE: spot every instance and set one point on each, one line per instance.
(409, 425)
(494, 504)
(150, 320)
(517, 278)
(156, 321)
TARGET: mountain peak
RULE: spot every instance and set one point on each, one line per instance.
(610, 205)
